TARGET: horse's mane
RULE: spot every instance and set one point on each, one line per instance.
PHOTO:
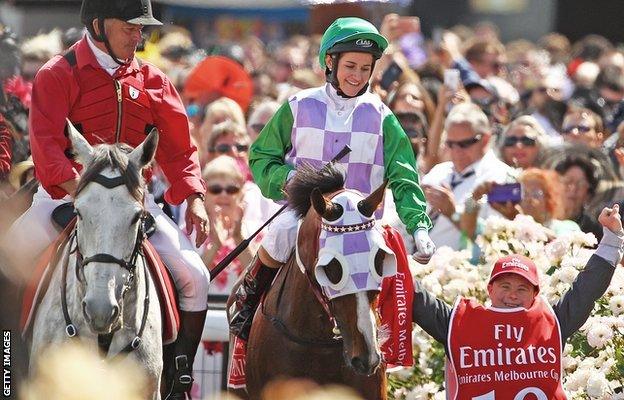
(114, 156)
(328, 179)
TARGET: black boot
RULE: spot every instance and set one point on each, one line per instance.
(258, 279)
(191, 328)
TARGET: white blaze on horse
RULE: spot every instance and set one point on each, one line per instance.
(100, 292)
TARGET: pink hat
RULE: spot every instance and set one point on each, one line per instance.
(516, 264)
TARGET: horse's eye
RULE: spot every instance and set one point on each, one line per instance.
(333, 271)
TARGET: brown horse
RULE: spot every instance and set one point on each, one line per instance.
(316, 322)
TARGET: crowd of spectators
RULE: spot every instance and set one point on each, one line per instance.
(547, 115)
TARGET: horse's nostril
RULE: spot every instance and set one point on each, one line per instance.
(115, 313)
(84, 311)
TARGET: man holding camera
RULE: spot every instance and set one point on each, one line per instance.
(449, 184)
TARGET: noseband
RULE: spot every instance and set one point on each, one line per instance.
(104, 341)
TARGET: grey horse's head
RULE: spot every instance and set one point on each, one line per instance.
(109, 221)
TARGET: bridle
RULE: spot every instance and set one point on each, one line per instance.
(104, 341)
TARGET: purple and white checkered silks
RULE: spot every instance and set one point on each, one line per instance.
(322, 127)
(354, 249)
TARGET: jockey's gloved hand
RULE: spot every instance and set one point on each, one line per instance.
(424, 246)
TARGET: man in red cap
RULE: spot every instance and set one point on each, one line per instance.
(513, 347)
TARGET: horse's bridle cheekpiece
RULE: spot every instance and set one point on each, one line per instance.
(104, 341)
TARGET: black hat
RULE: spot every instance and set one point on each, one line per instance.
(132, 11)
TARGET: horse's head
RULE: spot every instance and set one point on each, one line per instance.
(109, 206)
(349, 260)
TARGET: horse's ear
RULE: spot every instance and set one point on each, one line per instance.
(325, 208)
(144, 153)
(368, 206)
(81, 149)
(318, 201)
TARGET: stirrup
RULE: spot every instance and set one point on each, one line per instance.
(182, 379)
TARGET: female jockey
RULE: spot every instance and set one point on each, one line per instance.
(312, 127)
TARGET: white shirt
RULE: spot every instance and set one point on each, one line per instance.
(489, 168)
(102, 57)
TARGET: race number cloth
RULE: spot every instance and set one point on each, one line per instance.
(395, 306)
(504, 353)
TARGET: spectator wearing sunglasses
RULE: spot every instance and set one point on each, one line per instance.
(449, 184)
(220, 110)
(225, 206)
(231, 139)
(582, 125)
(522, 143)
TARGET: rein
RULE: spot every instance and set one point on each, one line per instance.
(335, 341)
(104, 341)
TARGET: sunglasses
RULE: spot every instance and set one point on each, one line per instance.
(463, 144)
(537, 194)
(217, 189)
(225, 148)
(526, 141)
(580, 128)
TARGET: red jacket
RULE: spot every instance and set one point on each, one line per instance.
(108, 109)
(5, 148)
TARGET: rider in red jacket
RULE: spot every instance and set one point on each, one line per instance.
(112, 97)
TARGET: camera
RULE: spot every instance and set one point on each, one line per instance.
(390, 75)
(502, 193)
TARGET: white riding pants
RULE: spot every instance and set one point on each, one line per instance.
(281, 235)
(32, 232)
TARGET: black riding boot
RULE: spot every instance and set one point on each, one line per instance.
(191, 328)
(258, 278)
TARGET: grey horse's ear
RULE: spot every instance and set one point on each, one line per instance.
(144, 153)
(81, 149)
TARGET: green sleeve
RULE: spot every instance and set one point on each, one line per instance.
(266, 155)
(402, 176)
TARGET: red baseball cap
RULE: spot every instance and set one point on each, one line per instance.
(516, 264)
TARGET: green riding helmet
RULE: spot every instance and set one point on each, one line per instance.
(351, 34)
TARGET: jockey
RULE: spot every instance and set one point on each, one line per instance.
(112, 97)
(312, 127)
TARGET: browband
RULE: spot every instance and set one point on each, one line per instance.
(348, 228)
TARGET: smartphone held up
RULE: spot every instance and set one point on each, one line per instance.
(503, 193)
(390, 75)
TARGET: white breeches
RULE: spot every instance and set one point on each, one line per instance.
(281, 235)
(32, 232)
